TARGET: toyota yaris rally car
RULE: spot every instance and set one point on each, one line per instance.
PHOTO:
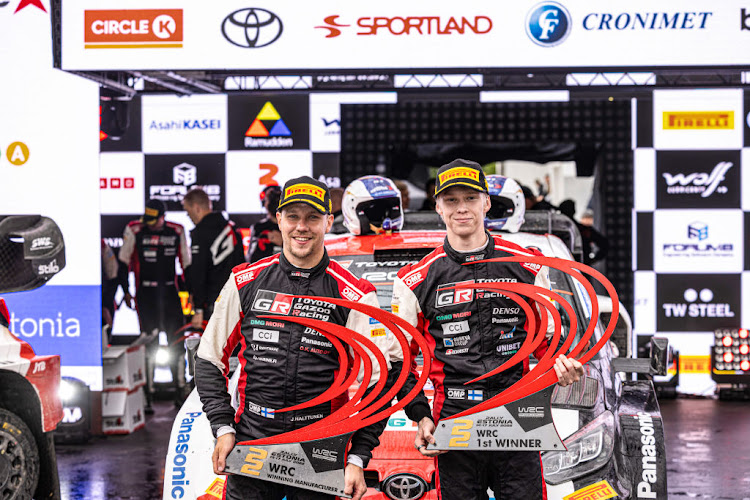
(611, 425)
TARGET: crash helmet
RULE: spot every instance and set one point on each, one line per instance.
(372, 205)
(507, 204)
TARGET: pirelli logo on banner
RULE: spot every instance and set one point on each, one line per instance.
(698, 120)
(133, 29)
(597, 491)
(459, 172)
(307, 189)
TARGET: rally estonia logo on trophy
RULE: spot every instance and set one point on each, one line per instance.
(518, 418)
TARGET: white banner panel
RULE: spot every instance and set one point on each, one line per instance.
(331, 34)
(121, 181)
(49, 166)
(644, 173)
(247, 171)
(194, 124)
(698, 119)
(645, 303)
(698, 240)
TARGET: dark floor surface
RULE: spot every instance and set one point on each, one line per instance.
(708, 455)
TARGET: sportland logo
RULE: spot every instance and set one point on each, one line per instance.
(699, 182)
(268, 130)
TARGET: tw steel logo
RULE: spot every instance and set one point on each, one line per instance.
(277, 303)
(453, 296)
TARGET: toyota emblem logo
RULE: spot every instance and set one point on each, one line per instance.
(252, 28)
(404, 487)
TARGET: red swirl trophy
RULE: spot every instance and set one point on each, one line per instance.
(314, 457)
(520, 417)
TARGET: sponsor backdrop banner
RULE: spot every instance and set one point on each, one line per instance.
(49, 166)
(114, 34)
(692, 203)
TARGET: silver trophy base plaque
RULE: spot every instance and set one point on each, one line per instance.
(311, 465)
(523, 425)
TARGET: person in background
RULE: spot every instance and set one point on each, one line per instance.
(595, 244)
(429, 191)
(534, 202)
(403, 187)
(110, 267)
(265, 237)
(337, 194)
(215, 248)
(150, 247)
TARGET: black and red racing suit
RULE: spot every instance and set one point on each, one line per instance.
(151, 256)
(282, 363)
(471, 332)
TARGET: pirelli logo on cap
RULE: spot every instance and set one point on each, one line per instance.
(698, 120)
(305, 189)
(458, 173)
(597, 491)
(152, 212)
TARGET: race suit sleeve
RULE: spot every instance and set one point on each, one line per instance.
(128, 246)
(405, 305)
(212, 360)
(200, 255)
(367, 438)
(183, 253)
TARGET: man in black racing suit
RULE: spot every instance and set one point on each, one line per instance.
(471, 332)
(284, 363)
(215, 248)
(150, 247)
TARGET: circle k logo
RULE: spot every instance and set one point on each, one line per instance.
(252, 28)
(548, 24)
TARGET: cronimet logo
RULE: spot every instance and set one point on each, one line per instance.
(548, 24)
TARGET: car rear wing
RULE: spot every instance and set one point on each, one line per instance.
(536, 222)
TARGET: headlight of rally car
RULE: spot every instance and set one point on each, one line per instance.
(587, 450)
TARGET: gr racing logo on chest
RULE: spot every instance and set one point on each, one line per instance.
(447, 295)
(279, 303)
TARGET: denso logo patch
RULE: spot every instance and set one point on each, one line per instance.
(445, 296)
(277, 303)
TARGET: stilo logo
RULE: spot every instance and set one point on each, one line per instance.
(705, 184)
(548, 24)
(698, 230)
(185, 174)
(332, 26)
(252, 28)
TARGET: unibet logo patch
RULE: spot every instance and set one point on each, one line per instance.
(458, 172)
(305, 189)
